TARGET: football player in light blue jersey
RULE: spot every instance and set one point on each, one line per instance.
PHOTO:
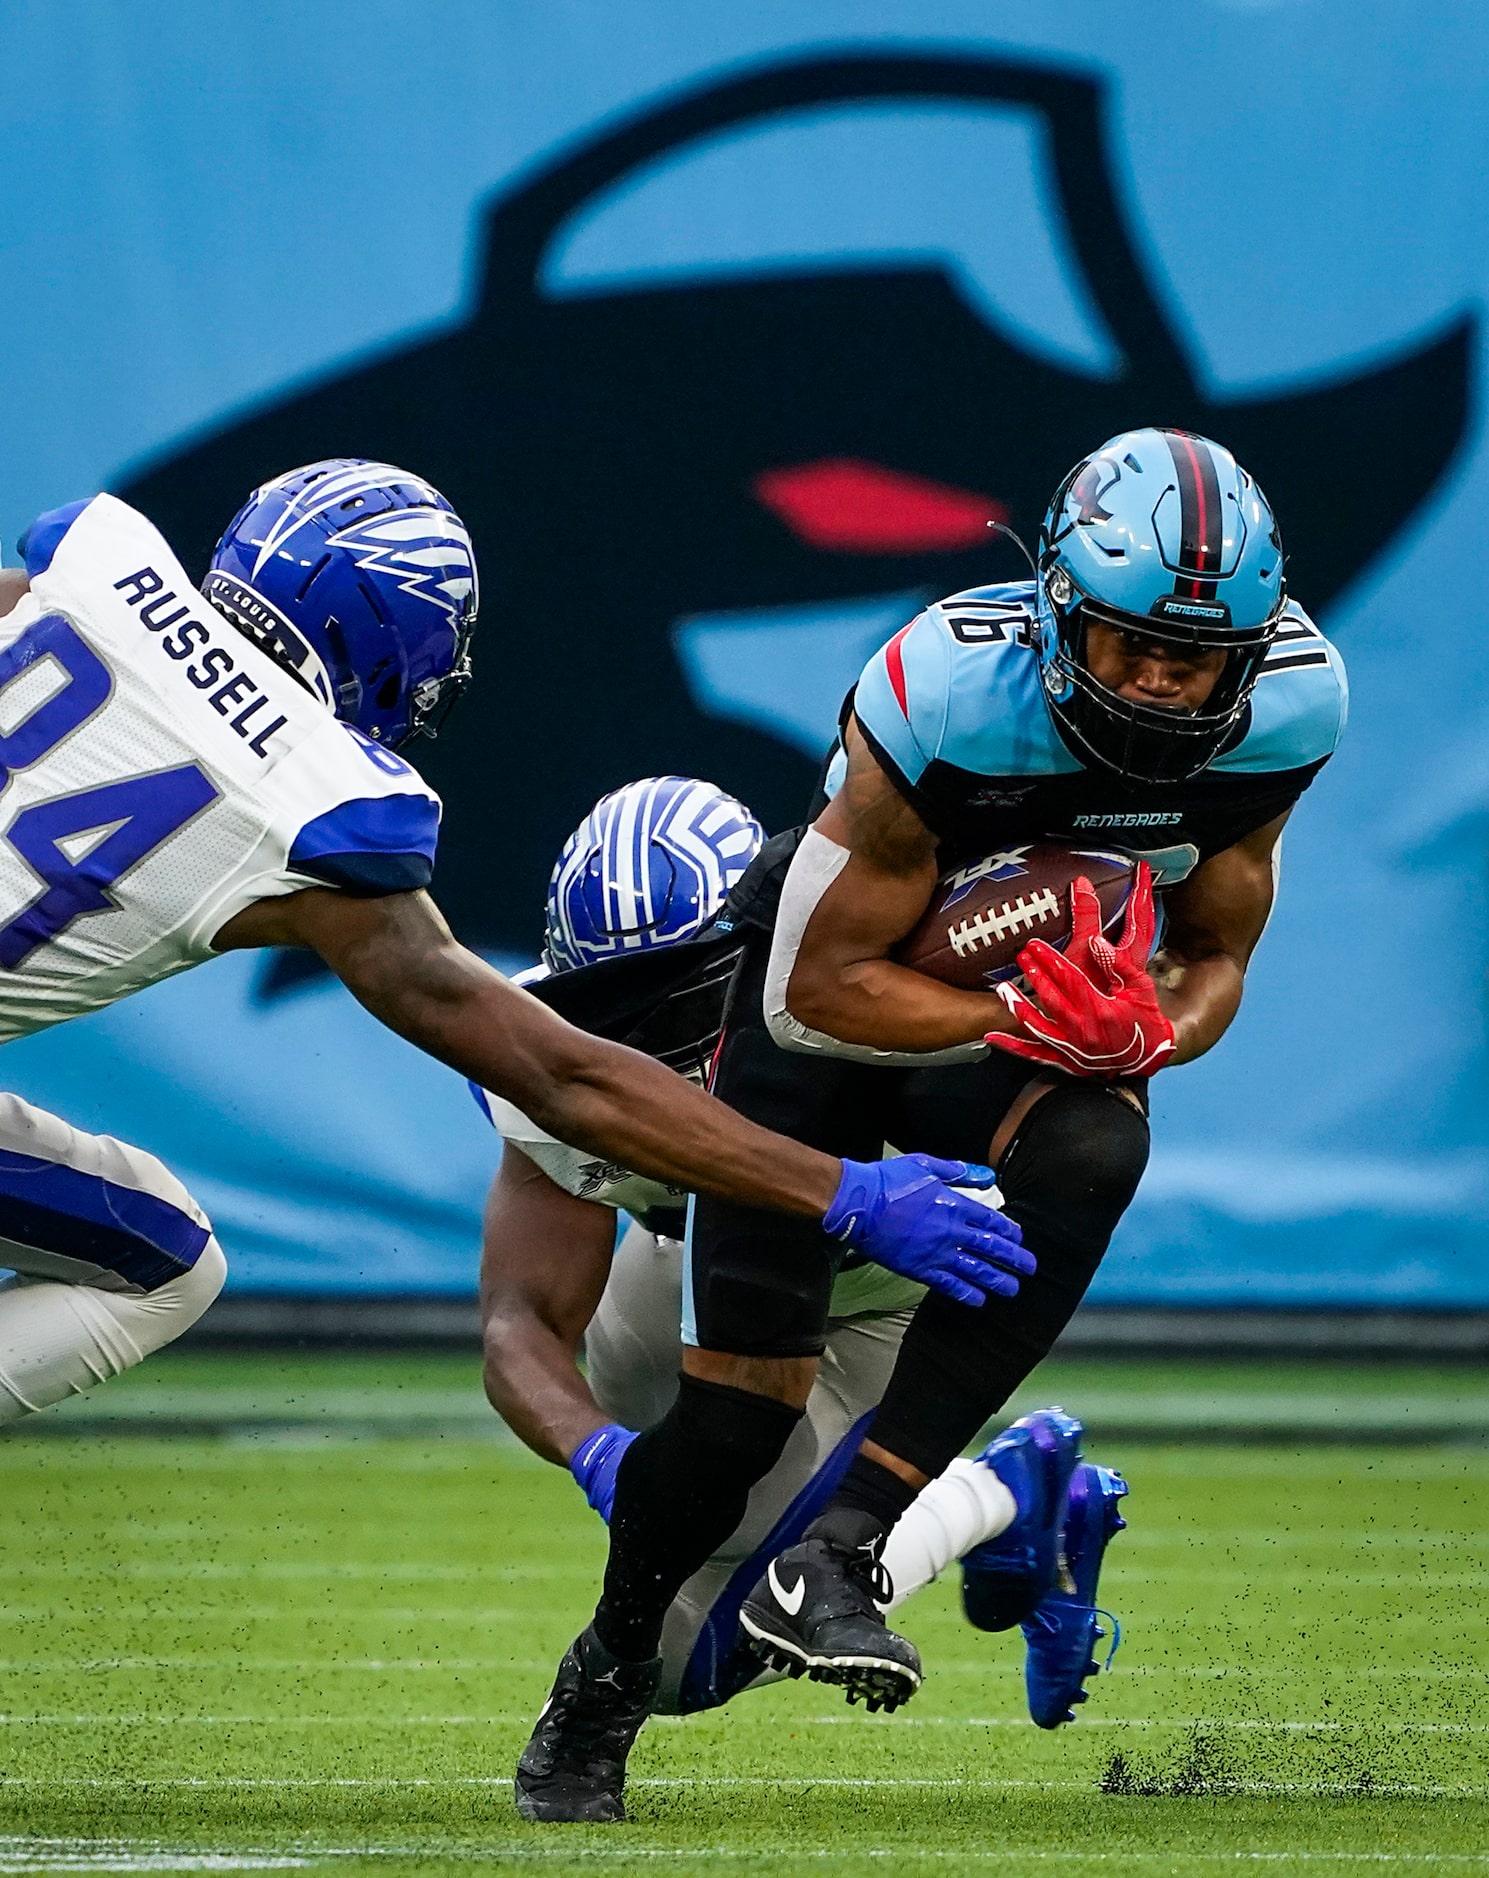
(183, 775)
(1152, 688)
(643, 931)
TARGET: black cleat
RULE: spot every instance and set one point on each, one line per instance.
(816, 1613)
(574, 1767)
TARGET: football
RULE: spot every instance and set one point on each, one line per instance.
(982, 916)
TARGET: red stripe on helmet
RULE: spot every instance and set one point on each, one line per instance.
(1200, 522)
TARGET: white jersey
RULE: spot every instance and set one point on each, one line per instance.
(581, 1174)
(159, 773)
(574, 1171)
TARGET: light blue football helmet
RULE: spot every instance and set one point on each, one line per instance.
(1160, 532)
(651, 864)
(362, 580)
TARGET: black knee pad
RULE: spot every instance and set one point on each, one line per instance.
(1076, 1159)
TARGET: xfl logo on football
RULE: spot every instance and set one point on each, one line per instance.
(1006, 864)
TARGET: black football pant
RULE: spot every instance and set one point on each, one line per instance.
(759, 1284)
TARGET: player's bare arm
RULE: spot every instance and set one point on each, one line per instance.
(1212, 922)
(535, 1306)
(843, 982)
(397, 956)
(13, 584)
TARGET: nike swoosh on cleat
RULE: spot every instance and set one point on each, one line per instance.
(790, 1601)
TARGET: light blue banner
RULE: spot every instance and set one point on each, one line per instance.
(208, 209)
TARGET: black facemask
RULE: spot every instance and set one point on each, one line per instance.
(1147, 743)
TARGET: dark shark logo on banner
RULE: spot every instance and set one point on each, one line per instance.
(631, 456)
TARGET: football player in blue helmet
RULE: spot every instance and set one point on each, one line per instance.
(1150, 689)
(362, 580)
(638, 947)
(1161, 539)
(650, 864)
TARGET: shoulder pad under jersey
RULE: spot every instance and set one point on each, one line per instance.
(43, 538)
(960, 685)
(1299, 706)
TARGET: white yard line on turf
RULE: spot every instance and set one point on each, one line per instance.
(1219, 1723)
(1290, 1538)
(121, 1859)
(19, 1854)
(1338, 1578)
(247, 1664)
(1003, 1857)
(89, 1665)
(294, 1569)
(470, 1617)
(1216, 1722)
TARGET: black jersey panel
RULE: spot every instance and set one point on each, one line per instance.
(973, 815)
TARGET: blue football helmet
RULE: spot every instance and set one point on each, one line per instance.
(649, 865)
(1163, 533)
(362, 580)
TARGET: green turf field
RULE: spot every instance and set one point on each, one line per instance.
(299, 1643)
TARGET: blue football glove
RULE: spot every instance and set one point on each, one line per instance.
(900, 1214)
(595, 1462)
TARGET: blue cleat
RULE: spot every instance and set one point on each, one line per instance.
(1004, 1579)
(1062, 1633)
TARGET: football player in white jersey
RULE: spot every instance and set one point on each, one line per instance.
(663, 984)
(182, 775)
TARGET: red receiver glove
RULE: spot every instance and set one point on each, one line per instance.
(1098, 1012)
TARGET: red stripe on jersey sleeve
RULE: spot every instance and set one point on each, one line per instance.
(894, 661)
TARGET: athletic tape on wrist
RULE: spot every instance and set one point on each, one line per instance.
(814, 867)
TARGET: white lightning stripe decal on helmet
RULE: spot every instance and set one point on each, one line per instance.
(416, 571)
(328, 492)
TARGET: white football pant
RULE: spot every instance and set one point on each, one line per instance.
(112, 1258)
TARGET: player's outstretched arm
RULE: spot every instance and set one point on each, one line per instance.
(880, 872)
(1212, 922)
(396, 955)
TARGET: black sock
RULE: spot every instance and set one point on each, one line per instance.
(865, 1507)
(680, 1491)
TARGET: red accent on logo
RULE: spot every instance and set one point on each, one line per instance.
(846, 506)
(894, 661)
